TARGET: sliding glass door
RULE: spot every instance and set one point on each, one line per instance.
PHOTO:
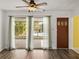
(30, 32)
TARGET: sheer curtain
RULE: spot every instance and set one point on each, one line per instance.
(12, 32)
(27, 31)
(45, 41)
(31, 22)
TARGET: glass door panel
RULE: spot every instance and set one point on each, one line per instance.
(40, 32)
(20, 32)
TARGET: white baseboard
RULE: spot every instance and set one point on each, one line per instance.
(1, 50)
(76, 50)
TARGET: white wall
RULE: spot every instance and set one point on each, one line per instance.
(54, 14)
(0, 28)
(76, 12)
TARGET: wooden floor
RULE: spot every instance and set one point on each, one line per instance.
(39, 54)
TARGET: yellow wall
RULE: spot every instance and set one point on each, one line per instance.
(76, 32)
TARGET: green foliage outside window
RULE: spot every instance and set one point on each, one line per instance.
(20, 28)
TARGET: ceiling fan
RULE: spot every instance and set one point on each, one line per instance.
(32, 4)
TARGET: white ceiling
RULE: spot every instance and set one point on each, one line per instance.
(52, 4)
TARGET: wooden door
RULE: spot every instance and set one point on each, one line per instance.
(62, 32)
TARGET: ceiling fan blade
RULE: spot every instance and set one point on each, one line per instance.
(25, 1)
(40, 4)
(21, 6)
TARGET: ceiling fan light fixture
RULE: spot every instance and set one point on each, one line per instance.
(32, 6)
(31, 9)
